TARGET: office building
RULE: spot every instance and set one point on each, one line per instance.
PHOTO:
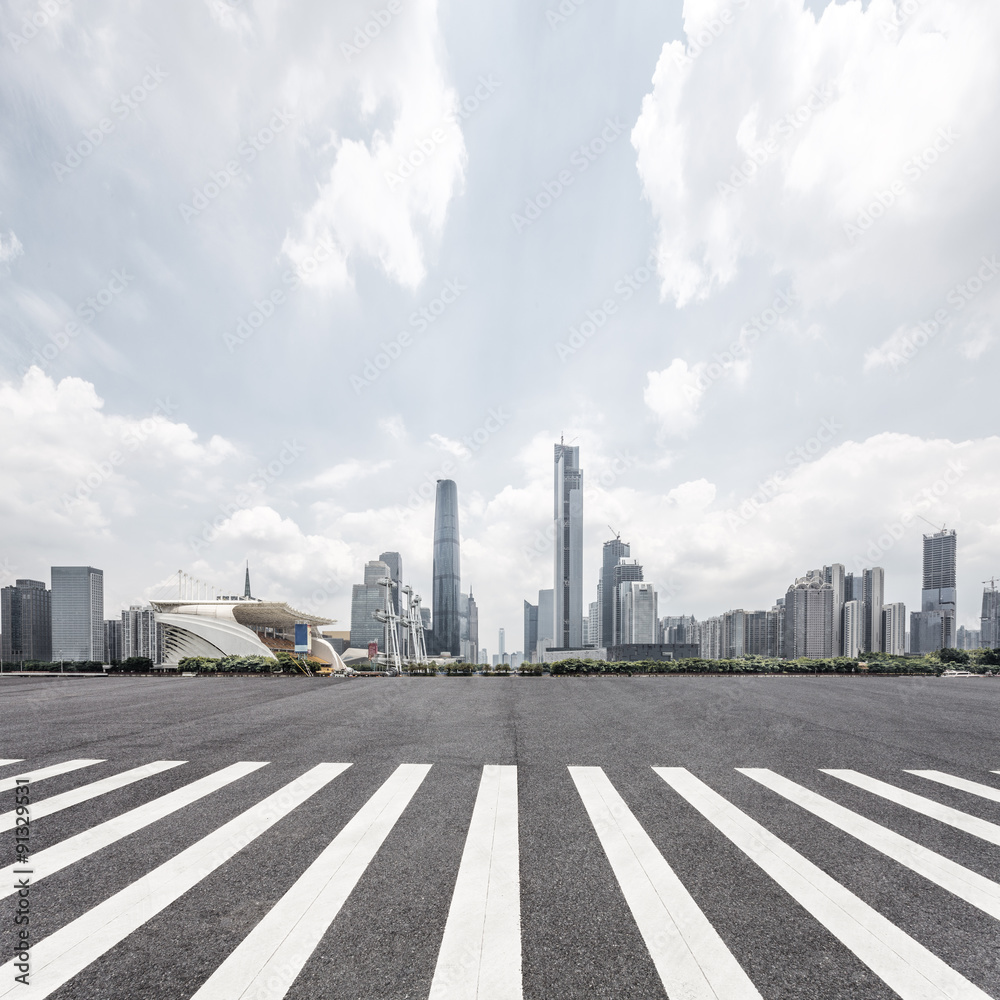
(837, 578)
(502, 642)
(894, 629)
(623, 573)
(733, 634)
(968, 638)
(140, 635)
(989, 623)
(710, 638)
(447, 570)
(77, 613)
(873, 591)
(546, 621)
(852, 626)
(26, 622)
(614, 552)
(530, 631)
(367, 598)
(113, 640)
(469, 627)
(809, 619)
(934, 627)
(763, 632)
(640, 623)
(568, 547)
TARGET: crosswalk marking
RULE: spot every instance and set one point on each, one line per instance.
(904, 964)
(692, 960)
(962, 784)
(268, 960)
(956, 879)
(71, 850)
(55, 803)
(480, 956)
(928, 807)
(11, 760)
(59, 957)
(6, 784)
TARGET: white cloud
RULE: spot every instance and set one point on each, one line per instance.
(346, 473)
(10, 247)
(781, 131)
(674, 395)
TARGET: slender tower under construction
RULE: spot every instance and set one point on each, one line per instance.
(446, 634)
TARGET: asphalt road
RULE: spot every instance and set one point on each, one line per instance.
(579, 937)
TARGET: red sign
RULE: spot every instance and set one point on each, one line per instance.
(372, 650)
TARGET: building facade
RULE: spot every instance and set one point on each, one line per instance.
(140, 635)
(873, 589)
(26, 622)
(546, 620)
(622, 575)
(989, 623)
(530, 631)
(853, 629)
(447, 584)
(894, 629)
(613, 553)
(567, 582)
(809, 619)
(77, 613)
(367, 598)
(640, 623)
(939, 596)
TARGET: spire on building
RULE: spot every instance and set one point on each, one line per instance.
(246, 586)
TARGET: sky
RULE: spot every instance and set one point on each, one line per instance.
(268, 271)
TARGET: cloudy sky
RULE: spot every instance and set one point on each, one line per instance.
(269, 270)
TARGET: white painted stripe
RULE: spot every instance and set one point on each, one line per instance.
(55, 960)
(690, 956)
(12, 760)
(904, 964)
(928, 807)
(268, 960)
(54, 803)
(6, 784)
(480, 956)
(950, 875)
(71, 850)
(972, 787)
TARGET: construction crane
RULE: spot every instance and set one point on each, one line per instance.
(932, 524)
(617, 534)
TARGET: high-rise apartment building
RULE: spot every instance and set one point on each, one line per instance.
(113, 640)
(447, 569)
(852, 627)
(530, 631)
(934, 626)
(809, 619)
(593, 636)
(77, 613)
(710, 638)
(639, 621)
(733, 642)
(989, 623)
(141, 636)
(614, 552)
(26, 622)
(623, 573)
(894, 629)
(568, 548)
(837, 578)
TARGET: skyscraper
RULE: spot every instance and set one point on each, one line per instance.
(623, 573)
(873, 590)
(447, 570)
(593, 636)
(395, 563)
(26, 620)
(836, 577)
(502, 642)
(530, 630)
(546, 620)
(568, 549)
(853, 627)
(809, 619)
(734, 628)
(989, 623)
(614, 552)
(894, 629)
(934, 626)
(365, 598)
(470, 650)
(77, 613)
(639, 622)
(140, 635)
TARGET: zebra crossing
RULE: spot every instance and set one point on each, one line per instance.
(479, 953)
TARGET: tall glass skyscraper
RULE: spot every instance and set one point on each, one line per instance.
(447, 570)
(26, 620)
(614, 552)
(568, 562)
(77, 613)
